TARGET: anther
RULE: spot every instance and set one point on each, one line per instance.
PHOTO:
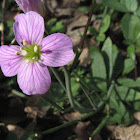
(17, 53)
(27, 61)
(23, 52)
(24, 42)
(21, 48)
(34, 58)
(35, 48)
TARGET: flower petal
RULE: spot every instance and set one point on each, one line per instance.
(33, 78)
(29, 27)
(57, 50)
(31, 5)
(24, 5)
(9, 61)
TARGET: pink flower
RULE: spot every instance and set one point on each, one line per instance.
(29, 60)
(32, 5)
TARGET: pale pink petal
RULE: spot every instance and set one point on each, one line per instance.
(9, 61)
(29, 27)
(33, 78)
(57, 50)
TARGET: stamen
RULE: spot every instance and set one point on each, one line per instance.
(35, 48)
(21, 48)
(27, 61)
(23, 52)
(34, 58)
(24, 42)
(17, 53)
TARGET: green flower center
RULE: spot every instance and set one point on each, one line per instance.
(31, 52)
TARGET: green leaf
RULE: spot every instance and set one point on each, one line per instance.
(128, 66)
(50, 23)
(130, 26)
(127, 82)
(75, 86)
(120, 114)
(122, 5)
(131, 52)
(59, 27)
(110, 53)
(98, 69)
(116, 4)
(84, 9)
(100, 37)
(92, 30)
(127, 94)
(104, 24)
(137, 105)
(98, 65)
(138, 12)
(131, 5)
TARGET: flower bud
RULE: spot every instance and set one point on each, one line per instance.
(32, 5)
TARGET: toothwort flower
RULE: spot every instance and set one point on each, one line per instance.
(29, 60)
(32, 5)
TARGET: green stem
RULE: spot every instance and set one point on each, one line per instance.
(100, 126)
(58, 78)
(82, 118)
(59, 127)
(68, 86)
(83, 83)
(75, 62)
(68, 124)
(52, 103)
(88, 97)
(108, 94)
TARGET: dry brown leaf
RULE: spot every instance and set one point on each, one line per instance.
(16, 129)
(33, 112)
(127, 133)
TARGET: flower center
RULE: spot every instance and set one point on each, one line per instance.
(31, 53)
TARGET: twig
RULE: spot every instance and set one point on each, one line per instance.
(88, 23)
(2, 30)
(79, 50)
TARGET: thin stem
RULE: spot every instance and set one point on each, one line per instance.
(82, 118)
(75, 61)
(68, 124)
(100, 126)
(88, 97)
(68, 86)
(83, 83)
(52, 103)
(108, 94)
(58, 78)
(135, 61)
